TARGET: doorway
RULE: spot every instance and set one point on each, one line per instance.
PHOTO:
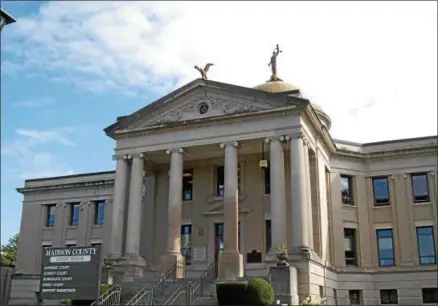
(219, 241)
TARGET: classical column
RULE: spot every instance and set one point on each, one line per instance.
(300, 217)
(278, 193)
(134, 208)
(118, 209)
(308, 192)
(175, 201)
(231, 261)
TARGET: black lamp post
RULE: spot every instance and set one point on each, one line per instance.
(5, 19)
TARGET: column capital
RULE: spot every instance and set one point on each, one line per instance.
(175, 150)
(279, 138)
(235, 144)
(120, 157)
(136, 155)
(298, 136)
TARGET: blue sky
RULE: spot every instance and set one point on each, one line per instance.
(70, 68)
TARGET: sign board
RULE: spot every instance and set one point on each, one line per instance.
(199, 254)
(70, 273)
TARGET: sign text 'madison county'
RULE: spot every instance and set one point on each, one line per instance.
(71, 251)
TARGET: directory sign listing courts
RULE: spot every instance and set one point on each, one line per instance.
(70, 273)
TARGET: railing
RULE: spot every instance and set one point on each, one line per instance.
(197, 290)
(110, 298)
(146, 295)
(180, 295)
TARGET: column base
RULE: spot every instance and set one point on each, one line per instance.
(230, 265)
(170, 259)
(132, 265)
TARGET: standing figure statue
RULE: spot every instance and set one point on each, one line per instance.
(273, 65)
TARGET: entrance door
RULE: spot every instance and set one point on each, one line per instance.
(219, 241)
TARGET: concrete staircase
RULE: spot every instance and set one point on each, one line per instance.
(161, 294)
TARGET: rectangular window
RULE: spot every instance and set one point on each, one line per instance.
(220, 180)
(186, 243)
(385, 247)
(268, 235)
(420, 187)
(51, 215)
(347, 189)
(354, 296)
(430, 295)
(267, 179)
(188, 185)
(388, 296)
(70, 245)
(74, 214)
(350, 246)
(96, 244)
(321, 291)
(426, 245)
(99, 212)
(381, 191)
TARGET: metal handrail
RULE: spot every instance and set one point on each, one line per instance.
(196, 290)
(171, 271)
(109, 298)
(176, 294)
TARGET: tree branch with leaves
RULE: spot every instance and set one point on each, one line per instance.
(9, 251)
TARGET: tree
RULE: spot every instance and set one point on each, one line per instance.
(9, 251)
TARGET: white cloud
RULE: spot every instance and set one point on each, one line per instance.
(46, 136)
(41, 102)
(341, 54)
(24, 158)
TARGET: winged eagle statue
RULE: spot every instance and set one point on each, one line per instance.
(204, 71)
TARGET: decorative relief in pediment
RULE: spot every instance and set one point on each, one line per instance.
(198, 107)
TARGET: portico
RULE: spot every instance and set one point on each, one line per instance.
(233, 142)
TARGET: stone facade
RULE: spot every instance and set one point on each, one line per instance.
(226, 213)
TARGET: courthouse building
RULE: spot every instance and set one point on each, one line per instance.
(219, 172)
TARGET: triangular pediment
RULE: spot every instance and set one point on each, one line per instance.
(219, 210)
(203, 99)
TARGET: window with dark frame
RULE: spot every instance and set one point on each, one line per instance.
(99, 212)
(426, 245)
(187, 192)
(186, 243)
(95, 244)
(430, 295)
(420, 188)
(74, 214)
(350, 246)
(347, 189)
(381, 191)
(385, 245)
(70, 245)
(388, 296)
(51, 215)
(354, 296)
(220, 180)
(268, 235)
(267, 179)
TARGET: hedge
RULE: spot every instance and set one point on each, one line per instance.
(260, 292)
(256, 291)
(231, 293)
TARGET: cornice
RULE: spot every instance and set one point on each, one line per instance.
(342, 154)
(77, 185)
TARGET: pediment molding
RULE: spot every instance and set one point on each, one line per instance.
(223, 99)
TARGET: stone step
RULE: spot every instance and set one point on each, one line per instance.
(207, 301)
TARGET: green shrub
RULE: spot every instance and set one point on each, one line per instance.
(104, 288)
(259, 292)
(232, 293)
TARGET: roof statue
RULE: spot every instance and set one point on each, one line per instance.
(204, 71)
(273, 65)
